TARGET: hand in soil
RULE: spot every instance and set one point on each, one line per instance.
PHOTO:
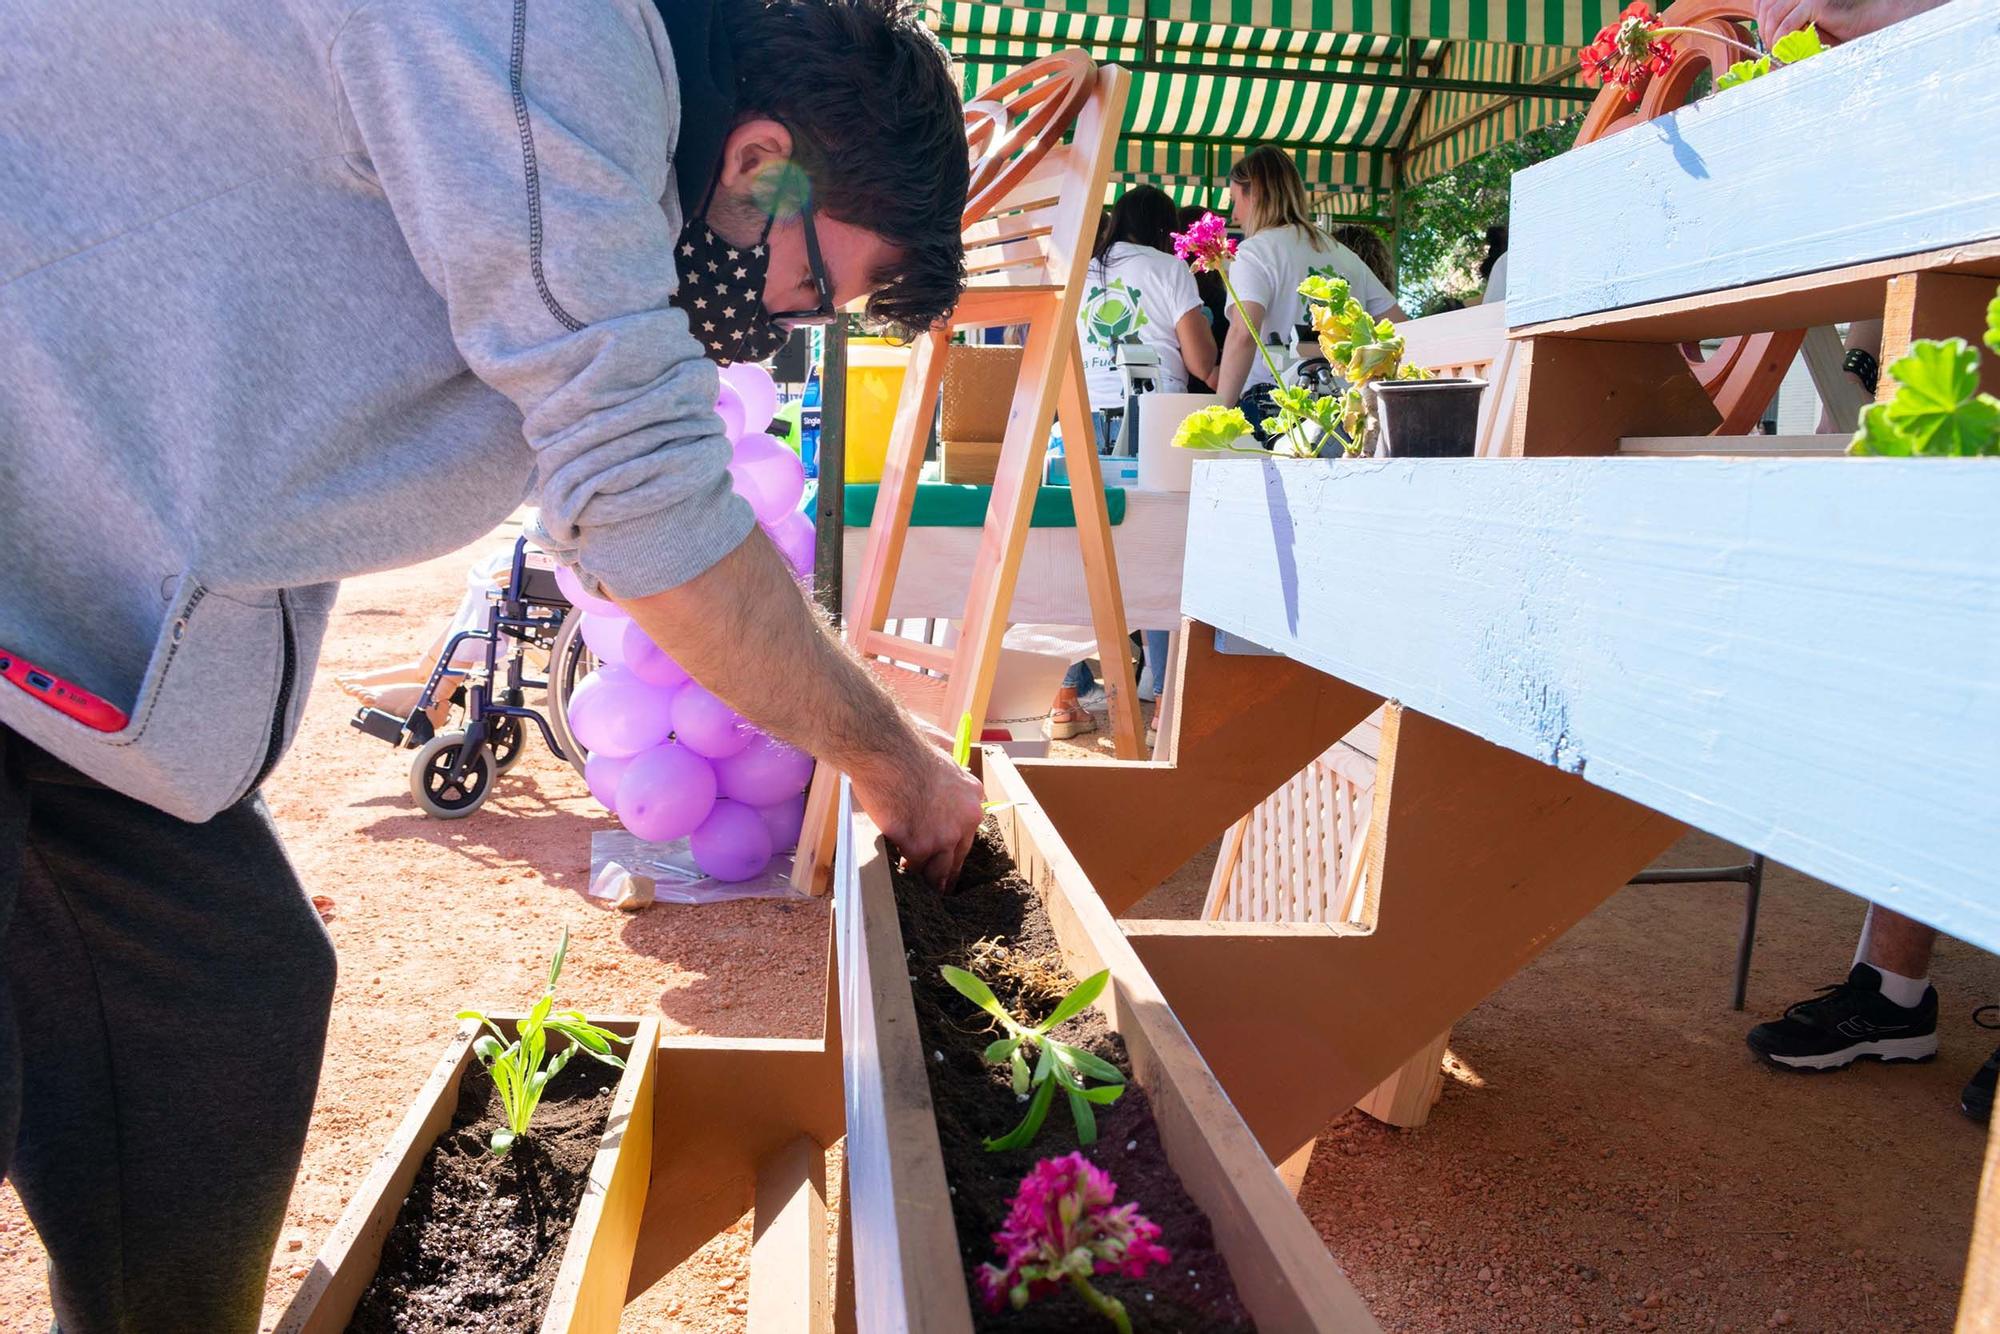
(927, 805)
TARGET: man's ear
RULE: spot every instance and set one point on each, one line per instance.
(752, 149)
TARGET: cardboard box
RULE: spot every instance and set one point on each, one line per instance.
(968, 462)
(978, 391)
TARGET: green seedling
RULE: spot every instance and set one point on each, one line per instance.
(516, 1067)
(961, 755)
(1056, 1063)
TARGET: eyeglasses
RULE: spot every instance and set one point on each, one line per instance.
(825, 311)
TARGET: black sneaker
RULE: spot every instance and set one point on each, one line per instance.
(1847, 1022)
(1977, 1099)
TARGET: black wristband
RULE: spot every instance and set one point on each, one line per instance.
(1863, 367)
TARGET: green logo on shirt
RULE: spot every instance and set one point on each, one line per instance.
(1111, 313)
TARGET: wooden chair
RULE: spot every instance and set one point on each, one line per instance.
(1042, 145)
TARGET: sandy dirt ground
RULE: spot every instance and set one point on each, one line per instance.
(1606, 1154)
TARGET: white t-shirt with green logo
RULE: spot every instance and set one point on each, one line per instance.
(1269, 268)
(1137, 295)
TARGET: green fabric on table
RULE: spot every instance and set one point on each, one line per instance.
(942, 505)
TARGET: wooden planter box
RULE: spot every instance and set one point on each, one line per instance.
(908, 1272)
(597, 1263)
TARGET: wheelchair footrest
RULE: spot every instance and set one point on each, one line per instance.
(385, 726)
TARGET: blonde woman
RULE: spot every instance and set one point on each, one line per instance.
(1281, 248)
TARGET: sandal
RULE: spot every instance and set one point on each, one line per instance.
(1065, 723)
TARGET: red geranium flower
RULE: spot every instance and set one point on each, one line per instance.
(1629, 52)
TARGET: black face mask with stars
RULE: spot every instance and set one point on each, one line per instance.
(722, 294)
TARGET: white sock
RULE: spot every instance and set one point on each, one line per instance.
(1907, 992)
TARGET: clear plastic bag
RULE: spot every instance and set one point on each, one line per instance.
(630, 873)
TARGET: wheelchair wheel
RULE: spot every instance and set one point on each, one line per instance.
(437, 794)
(508, 737)
(570, 660)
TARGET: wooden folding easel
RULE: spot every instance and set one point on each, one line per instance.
(1031, 216)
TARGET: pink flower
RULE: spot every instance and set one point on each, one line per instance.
(1206, 245)
(1063, 1228)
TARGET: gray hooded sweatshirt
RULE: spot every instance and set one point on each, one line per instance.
(292, 290)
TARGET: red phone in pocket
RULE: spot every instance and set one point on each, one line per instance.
(72, 700)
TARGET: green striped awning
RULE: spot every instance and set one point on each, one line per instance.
(1365, 95)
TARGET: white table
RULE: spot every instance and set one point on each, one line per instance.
(937, 567)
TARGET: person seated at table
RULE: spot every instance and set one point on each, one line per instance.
(1368, 247)
(1135, 293)
(1214, 297)
(1280, 250)
(1887, 1008)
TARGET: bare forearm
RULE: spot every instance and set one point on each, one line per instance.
(744, 630)
(1237, 354)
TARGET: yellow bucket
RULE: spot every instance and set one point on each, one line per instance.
(875, 369)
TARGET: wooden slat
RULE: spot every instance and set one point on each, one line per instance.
(1833, 296)
(896, 648)
(1680, 179)
(589, 1295)
(347, 1259)
(1580, 396)
(1733, 446)
(1244, 725)
(590, 1284)
(1704, 636)
(1050, 335)
(1935, 305)
(722, 1107)
(788, 1292)
(907, 1273)
(1281, 1268)
(1478, 858)
(1100, 561)
(1979, 1303)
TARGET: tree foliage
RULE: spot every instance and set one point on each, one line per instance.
(1445, 219)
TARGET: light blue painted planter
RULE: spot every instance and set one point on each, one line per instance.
(1886, 146)
(1800, 655)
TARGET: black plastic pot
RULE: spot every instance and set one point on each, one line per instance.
(1425, 419)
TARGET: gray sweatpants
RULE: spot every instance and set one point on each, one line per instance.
(164, 990)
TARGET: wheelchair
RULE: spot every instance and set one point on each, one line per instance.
(453, 772)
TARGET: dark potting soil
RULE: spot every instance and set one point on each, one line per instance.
(976, 1102)
(480, 1239)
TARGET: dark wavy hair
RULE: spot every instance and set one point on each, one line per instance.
(1143, 215)
(878, 127)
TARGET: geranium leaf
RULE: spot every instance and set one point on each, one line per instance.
(1213, 428)
(1993, 326)
(1742, 72)
(1800, 44)
(1877, 434)
(1938, 405)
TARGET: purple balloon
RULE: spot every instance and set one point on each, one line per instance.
(615, 713)
(794, 536)
(648, 661)
(765, 771)
(572, 588)
(769, 476)
(707, 726)
(784, 820)
(729, 407)
(606, 636)
(732, 843)
(601, 774)
(666, 793)
(754, 386)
